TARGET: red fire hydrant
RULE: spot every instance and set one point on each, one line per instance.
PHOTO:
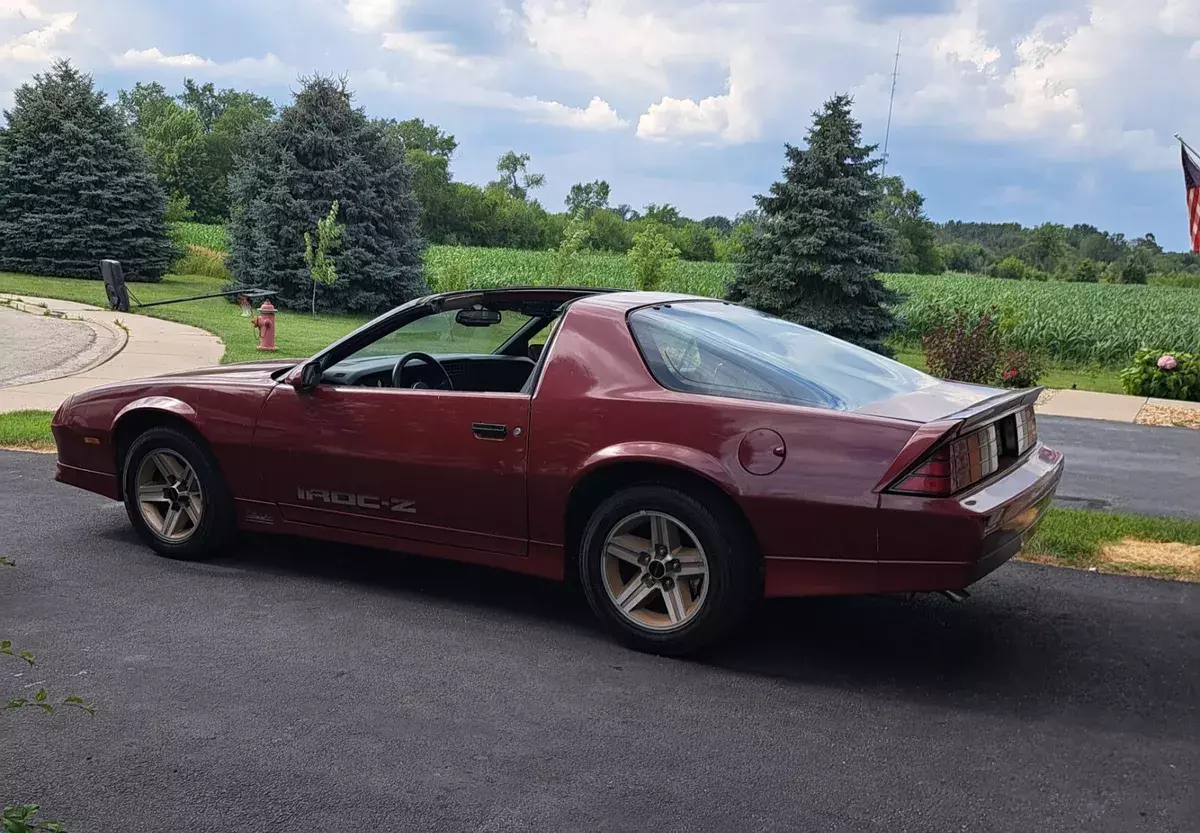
(264, 322)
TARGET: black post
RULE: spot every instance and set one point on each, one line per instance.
(114, 285)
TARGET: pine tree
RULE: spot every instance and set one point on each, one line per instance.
(815, 255)
(322, 149)
(74, 186)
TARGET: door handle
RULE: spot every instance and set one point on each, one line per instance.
(489, 430)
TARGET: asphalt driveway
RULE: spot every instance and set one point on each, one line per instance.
(297, 687)
(1119, 467)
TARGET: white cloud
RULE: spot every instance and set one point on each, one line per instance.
(1087, 79)
(21, 8)
(598, 115)
(153, 55)
(428, 54)
(673, 118)
(372, 14)
(267, 67)
(36, 46)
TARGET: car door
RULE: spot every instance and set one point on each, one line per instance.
(433, 466)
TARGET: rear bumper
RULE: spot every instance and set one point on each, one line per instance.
(1012, 508)
(971, 536)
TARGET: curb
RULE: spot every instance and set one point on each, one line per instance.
(117, 335)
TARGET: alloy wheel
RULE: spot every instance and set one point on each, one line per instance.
(169, 496)
(655, 571)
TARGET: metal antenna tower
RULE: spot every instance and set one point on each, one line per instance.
(887, 134)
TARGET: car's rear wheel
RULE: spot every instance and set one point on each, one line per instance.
(665, 571)
(175, 496)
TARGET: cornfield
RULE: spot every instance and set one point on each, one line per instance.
(453, 267)
(1095, 324)
(1086, 323)
(199, 234)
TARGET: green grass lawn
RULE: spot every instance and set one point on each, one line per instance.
(297, 334)
(26, 429)
(1078, 537)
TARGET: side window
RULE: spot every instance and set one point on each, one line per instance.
(724, 349)
(686, 361)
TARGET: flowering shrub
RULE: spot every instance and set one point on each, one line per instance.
(1020, 368)
(1163, 375)
(967, 348)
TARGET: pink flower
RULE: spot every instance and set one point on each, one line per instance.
(1011, 373)
(1167, 363)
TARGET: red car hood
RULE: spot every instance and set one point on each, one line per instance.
(933, 402)
(226, 371)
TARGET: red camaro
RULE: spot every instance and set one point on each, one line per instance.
(681, 456)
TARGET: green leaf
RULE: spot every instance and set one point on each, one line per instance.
(7, 562)
(46, 707)
(28, 657)
(16, 703)
(41, 695)
(6, 646)
(73, 700)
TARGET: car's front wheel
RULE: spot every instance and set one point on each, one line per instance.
(175, 496)
(665, 571)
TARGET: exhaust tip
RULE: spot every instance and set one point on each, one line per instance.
(956, 596)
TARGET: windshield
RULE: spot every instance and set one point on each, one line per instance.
(721, 349)
(440, 334)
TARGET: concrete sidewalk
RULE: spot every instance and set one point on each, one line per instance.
(1114, 407)
(148, 346)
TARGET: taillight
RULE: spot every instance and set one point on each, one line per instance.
(954, 467)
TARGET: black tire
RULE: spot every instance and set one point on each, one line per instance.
(217, 524)
(734, 565)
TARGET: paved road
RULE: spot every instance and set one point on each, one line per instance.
(281, 688)
(33, 345)
(1127, 468)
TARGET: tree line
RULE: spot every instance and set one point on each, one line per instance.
(81, 178)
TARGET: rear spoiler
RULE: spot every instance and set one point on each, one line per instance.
(946, 429)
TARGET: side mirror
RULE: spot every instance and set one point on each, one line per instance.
(309, 378)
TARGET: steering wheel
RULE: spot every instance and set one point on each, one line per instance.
(407, 358)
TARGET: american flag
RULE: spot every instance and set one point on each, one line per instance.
(1191, 178)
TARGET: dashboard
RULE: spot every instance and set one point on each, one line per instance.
(468, 372)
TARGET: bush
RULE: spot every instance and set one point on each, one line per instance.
(967, 349)
(197, 260)
(1130, 270)
(178, 209)
(1183, 280)
(1032, 274)
(1012, 268)
(1086, 271)
(653, 258)
(1163, 375)
(1020, 368)
(970, 258)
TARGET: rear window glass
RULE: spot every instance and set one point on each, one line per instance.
(720, 349)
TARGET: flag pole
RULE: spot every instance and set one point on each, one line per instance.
(1191, 149)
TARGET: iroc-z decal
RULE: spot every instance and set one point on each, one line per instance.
(361, 501)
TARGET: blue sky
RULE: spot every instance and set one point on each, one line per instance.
(1024, 110)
